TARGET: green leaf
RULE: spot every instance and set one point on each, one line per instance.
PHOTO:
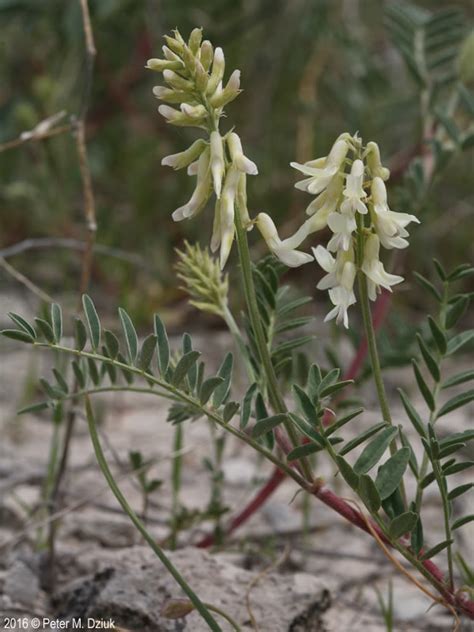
(290, 345)
(436, 549)
(459, 341)
(80, 334)
(456, 402)
(417, 537)
(230, 409)
(362, 437)
(455, 468)
(307, 430)
(263, 426)
(112, 344)
(459, 378)
(163, 345)
(78, 373)
(347, 473)
(225, 372)
(61, 381)
(429, 359)
(57, 322)
(45, 329)
(330, 378)
(428, 286)
(147, 352)
(303, 451)
(373, 452)
(460, 270)
(305, 404)
(22, 323)
(450, 449)
(462, 521)
(183, 366)
(440, 270)
(93, 372)
(247, 405)
(427, 480)
(313, 382)
(413, 416)
(438, 335)
(93, 322)
(128, 375)
(334, 388)
(423, 386)
(51, 391)
(405, 523)
(390, 474)
(208, 387)
(131, 337)
(33, 408)
(455, 311)
(369, 493)
(18, 334)
(456, 437)
(458, 491)
(343, 421)
(412, 461)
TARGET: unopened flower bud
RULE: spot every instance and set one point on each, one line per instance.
(177, 82)
(218, 67)
(242, 202)
(217, 162)
(193, 111)
(207, 52)
(169, 95)
(201, 77)
(179, 118)
(229, 93)
(174, 44)
(227, 211)
(195, 40)
(374, 163)
(163, 64)
(242, 163)
(185, 158)
(169, 54)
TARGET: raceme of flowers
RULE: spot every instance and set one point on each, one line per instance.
(194, 74)
(351, 199)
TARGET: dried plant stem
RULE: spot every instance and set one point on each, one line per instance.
(91, 227)
(17, 142)
(21, 278)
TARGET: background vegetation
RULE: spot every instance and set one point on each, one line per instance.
(310, 69)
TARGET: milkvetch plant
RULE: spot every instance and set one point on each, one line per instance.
(277, 410)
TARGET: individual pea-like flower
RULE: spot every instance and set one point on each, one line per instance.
(195, 96)
(390, 226)
(284, 250)
(351, 200)
(373, 269)
(322, 170)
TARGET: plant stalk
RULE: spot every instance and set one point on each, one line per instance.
(274, 394)
(101, 460)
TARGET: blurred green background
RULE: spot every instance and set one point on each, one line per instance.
(310, 70)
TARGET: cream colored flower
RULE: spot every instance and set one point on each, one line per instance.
(322, 170)
(289, 256)
(354, 192)
(390, 226)
(373, 269)
(201, 193)
(342, 225)
(372, 156)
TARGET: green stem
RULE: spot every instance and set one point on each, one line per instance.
(372, 343)
(225, 616)
(197, 603)
(176, 394)
(274, 393)
(176, 482)
(237, 335)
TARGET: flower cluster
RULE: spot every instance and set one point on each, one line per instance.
(194, 73)
(351, 200)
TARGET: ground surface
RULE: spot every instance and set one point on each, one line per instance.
(324, 580)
